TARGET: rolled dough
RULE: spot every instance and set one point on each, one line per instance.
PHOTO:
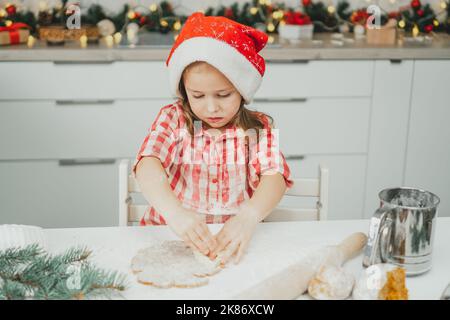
(173, 264)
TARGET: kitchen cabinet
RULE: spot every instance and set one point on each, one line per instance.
(427, 164)
(58, 193)
(64, 128)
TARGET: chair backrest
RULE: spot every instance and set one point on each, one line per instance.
(130, 213)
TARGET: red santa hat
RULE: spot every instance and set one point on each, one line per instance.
(230, 47)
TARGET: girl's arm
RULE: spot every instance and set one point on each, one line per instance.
(155, 187)
(267, 195)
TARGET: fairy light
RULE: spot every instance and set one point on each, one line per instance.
(131, 15)
(262, 2)
(402, 24)
(444, 5)
(415, 31)
(8, 23)
(277, 14)
(331, 9)
(177, 26)
(436, 23)
(253, 10)
(2, 13)
(271, 27)
(163, 23)
(83, 41)
(117, 37)
(153, 7)
(30, 42)
(109, 41)
(271, 39)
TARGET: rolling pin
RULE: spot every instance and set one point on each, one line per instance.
(292, 281)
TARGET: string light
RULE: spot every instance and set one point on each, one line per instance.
(402, 24)
(30, 42)
(109, 40)
(415, 31)
(331, 9)
(262, 2)
(153, 7)
(2, 13)
(436, 23)
(8, 23)
(253, 10)
(117, 37)
(83, 41)
(443, 5)
(131, 15)
(163, 23)
(278, 14)
(271, 27)
(271, 39)
(177, 26)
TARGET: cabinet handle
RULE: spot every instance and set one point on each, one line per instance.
(83, 102)
(280, 99)
(80, 162)
(395, 61)
(62, 63)
(295, 157)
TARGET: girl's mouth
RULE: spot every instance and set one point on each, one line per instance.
(216, 119)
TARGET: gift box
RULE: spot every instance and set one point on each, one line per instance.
(16, 33)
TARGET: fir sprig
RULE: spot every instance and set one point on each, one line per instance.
(31, 273)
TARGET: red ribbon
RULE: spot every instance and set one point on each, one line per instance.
(13, 29)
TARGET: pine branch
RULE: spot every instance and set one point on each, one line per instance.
(32, 273)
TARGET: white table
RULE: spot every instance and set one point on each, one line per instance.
(271, 249)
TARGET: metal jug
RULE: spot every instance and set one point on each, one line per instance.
(402, 230)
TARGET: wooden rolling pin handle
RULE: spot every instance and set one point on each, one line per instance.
(352, 245)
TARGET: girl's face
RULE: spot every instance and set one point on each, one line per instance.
(212, 97)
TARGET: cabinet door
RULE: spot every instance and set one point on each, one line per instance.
(347, 182)
(51, 194)
(317, 79)
(51, 130)
(320, 126)
(84, 80)
(428, 151)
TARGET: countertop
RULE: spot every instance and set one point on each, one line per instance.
(324, 47)
(271, 248)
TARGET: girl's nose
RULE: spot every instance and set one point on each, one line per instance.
(212, 106)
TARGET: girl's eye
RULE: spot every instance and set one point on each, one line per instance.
(198, 97)
(224, 96)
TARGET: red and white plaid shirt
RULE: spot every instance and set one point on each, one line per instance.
(210, 174)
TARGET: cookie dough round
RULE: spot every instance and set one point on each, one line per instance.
(173, 264)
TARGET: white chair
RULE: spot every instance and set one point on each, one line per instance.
(130, 213)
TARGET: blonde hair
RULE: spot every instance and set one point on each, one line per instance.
(244, 118)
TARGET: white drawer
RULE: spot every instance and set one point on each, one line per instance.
(51, 195)
(317, 79)
(48, 80)
(347, 183)
(47, 130)
(319, 125)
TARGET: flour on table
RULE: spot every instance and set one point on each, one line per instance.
(173, 264)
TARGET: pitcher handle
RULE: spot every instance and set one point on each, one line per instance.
(372, 251)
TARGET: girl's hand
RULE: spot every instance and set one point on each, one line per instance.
(236, 234)
(193, 230)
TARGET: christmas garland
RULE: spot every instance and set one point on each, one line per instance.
(262, 14)
(30, 273)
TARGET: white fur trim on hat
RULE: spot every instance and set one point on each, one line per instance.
(227, 59)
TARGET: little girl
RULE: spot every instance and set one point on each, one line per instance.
(207, 158)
